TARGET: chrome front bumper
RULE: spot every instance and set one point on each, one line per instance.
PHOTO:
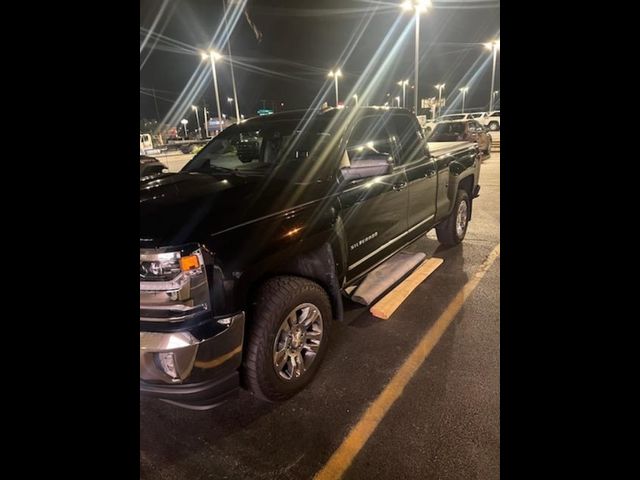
(174, 358)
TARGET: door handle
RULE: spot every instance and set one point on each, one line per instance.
(399, 186)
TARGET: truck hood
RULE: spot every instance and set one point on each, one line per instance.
(178, 208)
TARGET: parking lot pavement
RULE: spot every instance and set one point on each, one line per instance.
(444, 424)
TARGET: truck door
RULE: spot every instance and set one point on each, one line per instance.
(421, 173)
(374, 209)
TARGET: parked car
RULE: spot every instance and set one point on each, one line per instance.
(476, 116)
(491, 120)
(454, 116)
(245, 253)
(462, 130)
(150, 166)
(428, 126)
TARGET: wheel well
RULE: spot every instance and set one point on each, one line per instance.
(318, 266)
(467, 185)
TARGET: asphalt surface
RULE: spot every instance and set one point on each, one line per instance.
(445, 424)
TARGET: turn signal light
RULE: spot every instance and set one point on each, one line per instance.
(189, 263)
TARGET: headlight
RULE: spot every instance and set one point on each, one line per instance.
(167, 265)
(173, 284)
(159, 266)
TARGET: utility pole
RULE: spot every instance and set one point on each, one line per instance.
(233, 78)
(206, 123)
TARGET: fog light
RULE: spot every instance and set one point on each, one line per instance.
(167, 361)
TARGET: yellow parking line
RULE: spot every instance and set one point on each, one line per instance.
(360, 433)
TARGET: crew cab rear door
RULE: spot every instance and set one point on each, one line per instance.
(421, 172)
(374, 209)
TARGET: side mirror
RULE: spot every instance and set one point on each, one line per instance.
(369, 167)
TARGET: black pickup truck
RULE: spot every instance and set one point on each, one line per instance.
(246, 252)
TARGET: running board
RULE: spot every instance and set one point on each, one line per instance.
(386, 276)
(390, 302)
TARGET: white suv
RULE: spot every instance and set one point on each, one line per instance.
(479, 116)
(491, 121)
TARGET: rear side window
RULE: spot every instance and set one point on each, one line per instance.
(409, 137)
(369, 139)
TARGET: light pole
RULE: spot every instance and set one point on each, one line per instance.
(355, 97)
(440, 87)
(206, 123)
(398, 100)
(195, 109)
(335, 76)
(230, 100)
(464, 91)
(233, 78)
(419, 6)
(494, 46)
(495, 95)
(184, 122)
(213, 56)
(403, 84)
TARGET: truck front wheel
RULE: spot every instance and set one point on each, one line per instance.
(288, 337)
(454, 228)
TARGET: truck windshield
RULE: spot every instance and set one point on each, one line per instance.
(255, 149)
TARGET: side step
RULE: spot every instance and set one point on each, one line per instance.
(390, 302)
(385, 276)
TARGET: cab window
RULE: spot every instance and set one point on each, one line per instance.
(369, 139)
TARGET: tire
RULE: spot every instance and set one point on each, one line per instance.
(487, 152)
(448, 232)
(493, 126)
(281, 300)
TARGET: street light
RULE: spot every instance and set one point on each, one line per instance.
(184, 122)
(464, 91)
(335, 76)
(440, 87)
(398, 100)
(355, 96)
(213, 56)
(419, 6)
(495, 94)
(206, 123)
(494, 46)
(195, 109)
(403, 84)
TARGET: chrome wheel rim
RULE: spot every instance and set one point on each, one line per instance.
(461, 219)
(297, 342)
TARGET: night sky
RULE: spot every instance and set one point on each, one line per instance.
(301, 41)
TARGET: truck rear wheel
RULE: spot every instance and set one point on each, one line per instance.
(454, 228)
(288, 337)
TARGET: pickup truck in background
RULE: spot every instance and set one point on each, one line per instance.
(461, 130)
(245, 254)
